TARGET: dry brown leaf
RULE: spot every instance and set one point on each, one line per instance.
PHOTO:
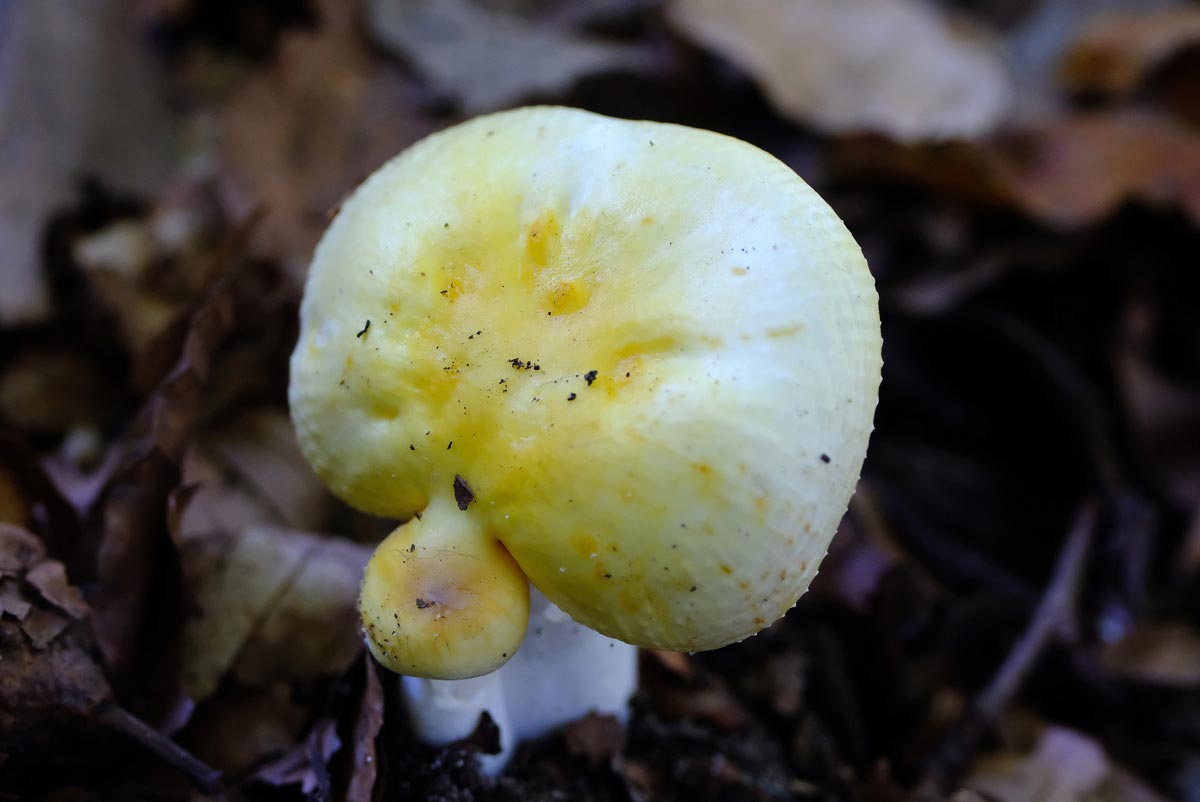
(1080, 169)
(485, 59)
(44, 685)
(44, 626)
(275, 603)
(135, 563)
(79, 95)
(19, 550)
(50, 580)
(1066, 172)
(1042, 33)
(47, 675)
(1114, 53)
(894, 67)
(12, 601)
(301, 134)
(136, 559)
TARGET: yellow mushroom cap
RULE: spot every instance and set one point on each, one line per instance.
(635, 364)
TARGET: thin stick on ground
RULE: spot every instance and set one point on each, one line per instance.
(203, 776)
(1053, 616)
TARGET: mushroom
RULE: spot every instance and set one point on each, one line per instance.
(632, 365)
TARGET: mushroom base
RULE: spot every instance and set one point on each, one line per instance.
(562, 671)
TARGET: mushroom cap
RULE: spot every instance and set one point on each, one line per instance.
(641, 357)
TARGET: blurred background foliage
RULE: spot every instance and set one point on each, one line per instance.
(1010, 609)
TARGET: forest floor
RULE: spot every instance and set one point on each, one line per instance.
(1009, 611)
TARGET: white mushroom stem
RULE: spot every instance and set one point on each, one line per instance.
(562, 671)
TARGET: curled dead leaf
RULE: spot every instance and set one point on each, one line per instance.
(43, 627)
(20, 550)
(1081, 168)
(50, 580)
(35, 590)
(137, 559)
(12, 601)
(48, 678)
(894, 67)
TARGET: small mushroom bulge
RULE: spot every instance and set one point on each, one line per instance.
(631, 363)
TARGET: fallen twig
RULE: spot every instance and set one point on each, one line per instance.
(1053, 616)
(203, 776)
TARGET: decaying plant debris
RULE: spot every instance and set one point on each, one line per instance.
(1009, 610)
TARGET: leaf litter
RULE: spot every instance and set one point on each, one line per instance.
(1024, 185)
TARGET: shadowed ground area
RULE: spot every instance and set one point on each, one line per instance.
(1008, 611)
